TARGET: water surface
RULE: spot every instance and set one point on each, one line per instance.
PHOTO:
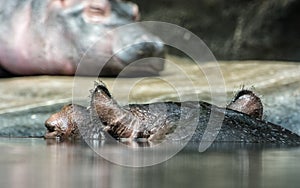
(33, 162)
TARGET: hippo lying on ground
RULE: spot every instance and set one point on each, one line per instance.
(51, 36)
(157, 121)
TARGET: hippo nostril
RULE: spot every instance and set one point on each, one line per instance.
(50, 125)
(146, 52)
(159, 49)
(53, 122)
(135, 46)
(140, 49)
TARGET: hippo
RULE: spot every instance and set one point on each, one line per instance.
(158, 121)
(51, 37)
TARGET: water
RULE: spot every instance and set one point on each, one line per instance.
(40, 163)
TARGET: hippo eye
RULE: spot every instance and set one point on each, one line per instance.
(98, 9)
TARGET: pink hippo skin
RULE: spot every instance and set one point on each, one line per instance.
(51, 36)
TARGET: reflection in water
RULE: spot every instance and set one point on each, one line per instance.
(35, 163)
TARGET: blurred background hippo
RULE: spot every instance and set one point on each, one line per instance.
(51, 36)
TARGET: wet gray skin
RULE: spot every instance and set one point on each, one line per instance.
(158, 121)
(51, 36)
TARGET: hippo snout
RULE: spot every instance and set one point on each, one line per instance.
(58, 124)
(141, 49)
(138, 44)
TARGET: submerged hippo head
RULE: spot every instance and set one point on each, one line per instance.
(52, 36)
(64, 124)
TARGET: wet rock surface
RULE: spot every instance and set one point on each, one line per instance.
(27, 101)
(26, 122)
(235, 29)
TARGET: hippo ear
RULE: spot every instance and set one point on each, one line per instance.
(247, 102)
(242, 93)
(100, 86)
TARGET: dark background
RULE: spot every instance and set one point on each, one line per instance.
(235, 29)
